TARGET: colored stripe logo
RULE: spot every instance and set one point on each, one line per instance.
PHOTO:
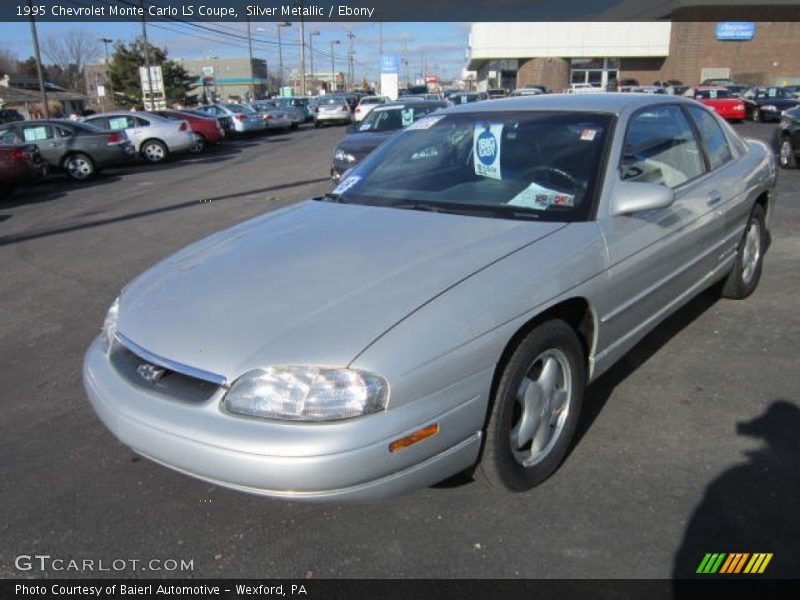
(734, 563)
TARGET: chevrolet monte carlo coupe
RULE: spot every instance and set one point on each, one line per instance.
(443, 308)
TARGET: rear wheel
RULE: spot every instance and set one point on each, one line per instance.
(154, 151)
(535, 409)
(756, 116)
(78, 167)
(786, 156)
(746, 272)
(198, 145)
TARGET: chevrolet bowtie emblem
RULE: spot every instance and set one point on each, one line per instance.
(150, 373)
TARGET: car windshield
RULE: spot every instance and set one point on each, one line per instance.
(712, 94)
(391, 119)
(238, 108)
(517, 165)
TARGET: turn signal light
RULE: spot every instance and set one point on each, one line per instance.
(415, 437)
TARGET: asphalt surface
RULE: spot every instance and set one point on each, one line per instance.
(663, 469)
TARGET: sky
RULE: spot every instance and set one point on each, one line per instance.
(442, 46)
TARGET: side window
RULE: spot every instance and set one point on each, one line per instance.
(140, 122)
(36, 133)
(660, 147)
(8, 136)
(713, 137)
(63, 132)
(100, 122)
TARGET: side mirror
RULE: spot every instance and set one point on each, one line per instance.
(633, 196)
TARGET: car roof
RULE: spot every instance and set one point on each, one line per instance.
(600, 102)
(411, 103)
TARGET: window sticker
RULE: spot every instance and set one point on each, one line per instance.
(541, 198)
(346, 184)
(587, 135)
(118, 123)
(425, 123)
(407, 116)
(486, 149)
(33, 134)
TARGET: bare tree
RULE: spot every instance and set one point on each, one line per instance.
(8, 62)
(70, 52)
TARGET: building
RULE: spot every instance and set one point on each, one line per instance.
(24, 95)
(511, 55)
(228, 78)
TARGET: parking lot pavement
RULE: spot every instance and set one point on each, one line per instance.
(663, 470)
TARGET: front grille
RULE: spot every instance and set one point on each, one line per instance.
(172, 384)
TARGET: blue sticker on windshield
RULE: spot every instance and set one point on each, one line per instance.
(486, 149)
(346, 184)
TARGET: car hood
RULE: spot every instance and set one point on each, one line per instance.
(315, 283)
(364, 143)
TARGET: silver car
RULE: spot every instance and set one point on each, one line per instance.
(444, 306)
(275, 117)
(152, 136)
(332, 109)
(243, 118)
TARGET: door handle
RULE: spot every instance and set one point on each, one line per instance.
(714, 198)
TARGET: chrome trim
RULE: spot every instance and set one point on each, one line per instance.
(170, 364)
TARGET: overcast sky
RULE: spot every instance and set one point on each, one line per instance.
(441, 45)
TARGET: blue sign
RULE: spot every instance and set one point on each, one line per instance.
(389, 64)
(736, 30)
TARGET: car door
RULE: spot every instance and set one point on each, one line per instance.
(729, 189)
(658, 257)
(44, 136)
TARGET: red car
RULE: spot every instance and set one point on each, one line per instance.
(19, 164)
(721, 100)
(206, 130)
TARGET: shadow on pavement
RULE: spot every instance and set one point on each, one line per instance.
(753, 506)
(32, 235)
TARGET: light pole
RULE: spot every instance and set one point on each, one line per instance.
(250, 55)
(280, 49)
(147, 63)
(333, 66)
(106, 42)
(311, 52)
(302, 51)
(39, 73)
(350, 66)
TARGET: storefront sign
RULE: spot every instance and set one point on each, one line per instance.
(736, 30)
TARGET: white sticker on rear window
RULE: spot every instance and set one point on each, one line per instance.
(541, 198)
(118, 123)
(486, 149)
(425, 123)
(33, 134)
(587, 135)
(407, 116)
(346, 184)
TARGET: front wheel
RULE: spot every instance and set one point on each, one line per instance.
(746, 272)
(78, 167)
(535, 408)
(786, 156)
(154, 151)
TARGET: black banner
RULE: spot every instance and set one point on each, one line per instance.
(731, 588)
(392, 10)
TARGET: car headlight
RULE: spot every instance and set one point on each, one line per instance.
(307, 393)
(109, 330)
(768, 107)
(343, 156)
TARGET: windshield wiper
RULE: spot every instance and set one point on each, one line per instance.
(470, 210)
(333, 197)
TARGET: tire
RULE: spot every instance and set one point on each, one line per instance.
(787, 159)
(154, 151)
(316, 125)
(515, 464)
(78, 167)
(199, 144)
(756, 115)
(6, 189)
(295, 126)
(746, 271)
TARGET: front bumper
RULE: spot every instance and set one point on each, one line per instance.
(342, 460)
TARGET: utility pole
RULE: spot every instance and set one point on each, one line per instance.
(280, 49)
(350, 68)
(333, 66)
(106, 42)
(302, 51)
(35, 37)
(147, 62)
(311, 53)
(250, 54)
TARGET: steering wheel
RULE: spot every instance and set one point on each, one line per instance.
(563, 174)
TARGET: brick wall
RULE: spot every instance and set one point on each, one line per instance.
(552, 72)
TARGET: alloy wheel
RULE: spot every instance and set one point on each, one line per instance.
(751, 252)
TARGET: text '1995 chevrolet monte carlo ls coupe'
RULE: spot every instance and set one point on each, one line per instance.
(444, 307)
